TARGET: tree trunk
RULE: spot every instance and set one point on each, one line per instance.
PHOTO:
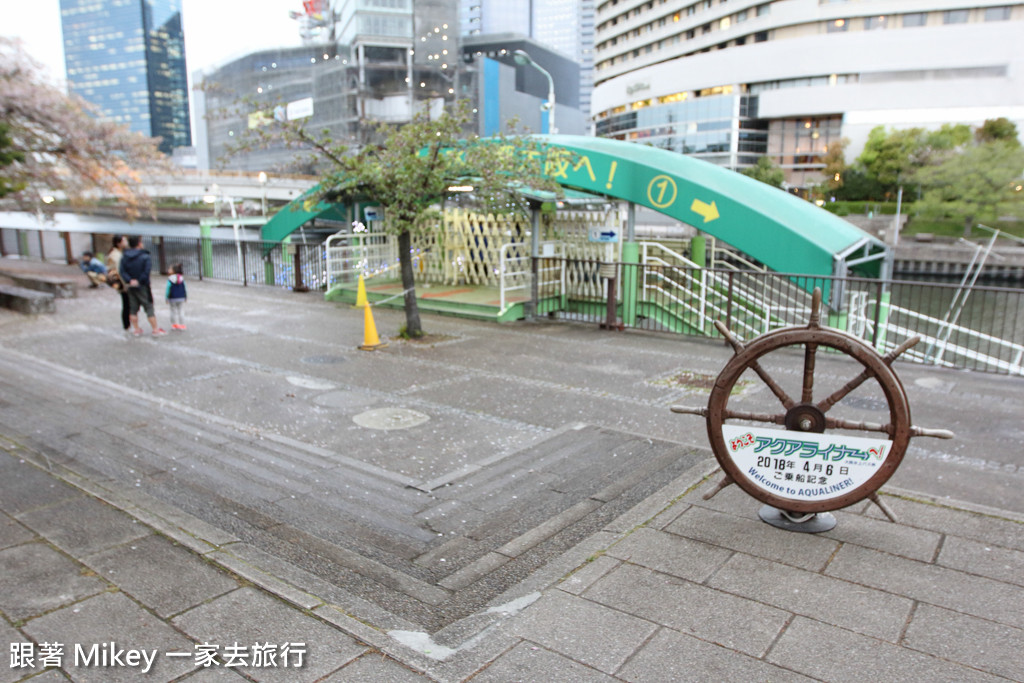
(413, 327)
(968, 226)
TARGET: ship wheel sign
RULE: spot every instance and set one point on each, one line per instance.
(804, 459)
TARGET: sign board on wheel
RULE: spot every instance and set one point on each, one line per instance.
(804, 466)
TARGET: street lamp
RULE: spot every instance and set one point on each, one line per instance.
(523, 59)
(263, 186)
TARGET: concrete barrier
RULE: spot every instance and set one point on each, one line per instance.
(55, 285)
(25, 300)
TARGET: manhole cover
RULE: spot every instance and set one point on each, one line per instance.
(697, 382)
(390, 418)
(323, 360)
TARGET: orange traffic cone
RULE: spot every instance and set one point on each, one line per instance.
(371, 341)
(361, 293)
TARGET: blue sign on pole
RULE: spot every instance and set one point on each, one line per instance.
(603, 234)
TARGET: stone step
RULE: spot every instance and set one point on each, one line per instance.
(25, 300)
(57, 285)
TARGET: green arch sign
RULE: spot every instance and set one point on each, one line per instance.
(781, 230)
(784, 232)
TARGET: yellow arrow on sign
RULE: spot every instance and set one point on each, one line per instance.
(708, 211)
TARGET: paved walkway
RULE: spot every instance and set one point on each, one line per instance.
(219, 492)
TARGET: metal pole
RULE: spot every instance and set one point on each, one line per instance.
(551, 103)
(299, 285)
(896, 227)
(199, 256)
(535, 258)
(161, 254)
(951, 318)
(524, 59)
(728, 308)
(878, 315)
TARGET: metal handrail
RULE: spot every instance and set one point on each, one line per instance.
(510, 268)
(349, 255)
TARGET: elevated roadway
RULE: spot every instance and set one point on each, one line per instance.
(185, 184)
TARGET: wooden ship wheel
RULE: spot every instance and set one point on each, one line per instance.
(800, 459)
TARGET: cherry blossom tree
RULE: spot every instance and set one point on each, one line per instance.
(52, 145)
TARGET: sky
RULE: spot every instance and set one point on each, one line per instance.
(216, 31)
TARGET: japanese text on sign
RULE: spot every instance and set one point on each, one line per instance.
(802, 465)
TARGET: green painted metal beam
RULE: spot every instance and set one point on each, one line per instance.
(294, 215)
(781, 230)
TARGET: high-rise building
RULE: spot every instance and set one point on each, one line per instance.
(563, 25)
(127, 58)
(383, 61)
(732, 81)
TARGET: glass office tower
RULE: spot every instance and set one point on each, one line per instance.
(563, 25)
(127, 58)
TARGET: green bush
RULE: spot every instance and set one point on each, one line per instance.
(845, 208)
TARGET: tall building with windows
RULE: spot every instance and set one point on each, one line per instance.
(127, 57)
(563, 25)
(732, 80)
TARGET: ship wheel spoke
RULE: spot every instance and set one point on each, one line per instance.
(836, 423)
(754, 417)
(779, 392)
(841, 393)
(810, 350)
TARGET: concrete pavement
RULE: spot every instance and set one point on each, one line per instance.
(501, 504)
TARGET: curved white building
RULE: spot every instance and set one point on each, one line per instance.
(732, 80)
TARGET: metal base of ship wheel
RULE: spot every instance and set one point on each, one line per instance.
(813, 523)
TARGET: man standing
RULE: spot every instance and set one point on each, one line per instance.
(135, 266)
(119, 244)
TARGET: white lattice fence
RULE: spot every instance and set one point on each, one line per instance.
(428, 254)
(466, 247)
(572, 228)
(472, 245)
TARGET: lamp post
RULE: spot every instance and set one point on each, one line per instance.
(523, 59)
(263, 188)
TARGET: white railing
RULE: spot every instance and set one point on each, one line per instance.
(934, 347)
(515, 270)
(706, 291)
(791, 302)
(763, 300)
(349, 255)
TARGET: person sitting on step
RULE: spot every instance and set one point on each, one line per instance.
(93, 269)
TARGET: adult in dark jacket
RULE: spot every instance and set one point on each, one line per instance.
(135, 266)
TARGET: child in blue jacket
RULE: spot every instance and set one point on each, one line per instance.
(175, 295)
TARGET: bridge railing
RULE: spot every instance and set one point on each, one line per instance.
(351, 255)
(988, 335)
(247, 262)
